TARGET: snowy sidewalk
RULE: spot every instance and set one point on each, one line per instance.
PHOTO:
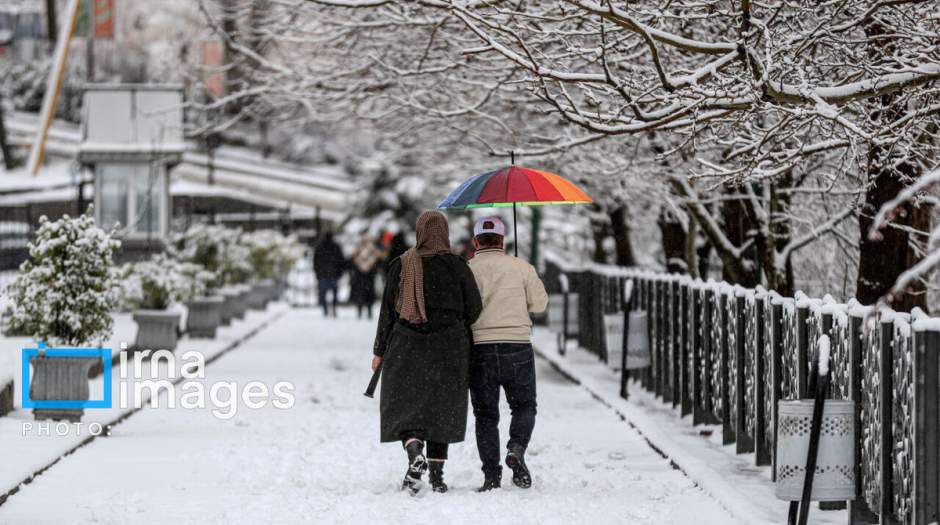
(320, 461)
(23, 455)
(733, 480)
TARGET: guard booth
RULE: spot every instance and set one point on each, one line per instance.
(132, 136)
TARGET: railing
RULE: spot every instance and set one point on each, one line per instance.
(727, 355)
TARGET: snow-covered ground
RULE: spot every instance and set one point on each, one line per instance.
(732, 479)
(22, 455)
(320, 461)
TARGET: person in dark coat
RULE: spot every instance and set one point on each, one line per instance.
(328, 264)
(397, 248)
(423, 345)
(365, 262)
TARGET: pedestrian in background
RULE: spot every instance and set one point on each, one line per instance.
(398, 247)
(423, 345)
(328, 265)
(365, 262)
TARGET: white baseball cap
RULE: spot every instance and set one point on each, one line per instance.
(491, 224)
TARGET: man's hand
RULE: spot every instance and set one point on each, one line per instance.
(376, 363)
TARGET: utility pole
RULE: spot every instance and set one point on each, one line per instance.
(90, 41)
(4, 145)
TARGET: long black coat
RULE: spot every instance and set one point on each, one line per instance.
(425, 372)
(328, 260)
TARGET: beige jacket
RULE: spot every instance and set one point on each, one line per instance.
(510, 288)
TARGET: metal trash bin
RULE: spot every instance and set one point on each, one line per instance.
(638, 341)
(613, 332)
(835, 472)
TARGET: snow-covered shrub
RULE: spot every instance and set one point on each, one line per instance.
(199, 280)
(65, 292)
(217, 249)
(272, 253)
(157, 283)
(287, 252)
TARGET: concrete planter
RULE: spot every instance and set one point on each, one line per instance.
(6, 398)
(156, 329)
(60, 379)
(269, 288)
(241, 305)
(205, 316)
(278, 290)
(230, 297)
(260, 294)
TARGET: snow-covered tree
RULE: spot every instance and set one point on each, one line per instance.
(767, 128)
(65, 292)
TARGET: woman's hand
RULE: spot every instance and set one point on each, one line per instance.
(376, 363)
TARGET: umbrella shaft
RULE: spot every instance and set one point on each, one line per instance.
(515, 232)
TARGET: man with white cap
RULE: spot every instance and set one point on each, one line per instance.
(502, 353)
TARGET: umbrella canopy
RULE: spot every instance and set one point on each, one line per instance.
(514, 185)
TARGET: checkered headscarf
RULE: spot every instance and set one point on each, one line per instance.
(433, 238)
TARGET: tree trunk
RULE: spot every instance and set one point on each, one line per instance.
(779, 274)
(740, 226)
(621, 232)
(673, 235)
(882, 259)
(691, 256)
(703, 253)
(600, 232)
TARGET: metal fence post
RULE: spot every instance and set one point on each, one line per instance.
(776, 377)
(859, 512)
(709, 356)
(744, 443)
(649, 304)
(802, 349)
(685, 370)
(886, 348)
(725, 353)
(762, 451)
(662, 340)
(675, 377)
(926, 368)
(697, 349)
(669, 312)
(825, 328)
(627, 306)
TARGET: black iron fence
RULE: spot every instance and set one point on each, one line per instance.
(14, 239)
(727, 355)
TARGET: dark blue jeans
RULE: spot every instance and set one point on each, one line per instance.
(323, 287)
(510, 366)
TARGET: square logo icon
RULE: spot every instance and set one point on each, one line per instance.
(28, 354)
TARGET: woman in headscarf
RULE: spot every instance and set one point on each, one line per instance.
(423, 345)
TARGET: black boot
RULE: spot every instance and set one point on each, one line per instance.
(491, 481)
(436, 476)
(515, 460)
(417, 465)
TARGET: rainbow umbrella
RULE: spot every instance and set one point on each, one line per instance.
(514, 186)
